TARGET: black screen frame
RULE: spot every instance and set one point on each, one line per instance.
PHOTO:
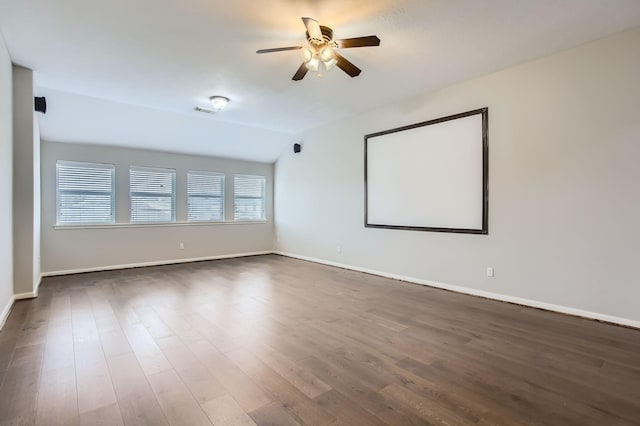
(484, 112)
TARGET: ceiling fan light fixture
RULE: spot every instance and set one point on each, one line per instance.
(313, 64)
(330, 64)
(307, 54)
(321, 50)
(218, 103)
(326, 54)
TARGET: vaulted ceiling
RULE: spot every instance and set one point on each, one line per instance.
(130, 72)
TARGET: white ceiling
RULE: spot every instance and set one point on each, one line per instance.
(130, 72)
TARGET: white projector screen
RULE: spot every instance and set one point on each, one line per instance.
(429, 176)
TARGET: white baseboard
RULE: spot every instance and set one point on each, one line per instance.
(30, 294)
(37, 287)
(486, 294)
(152, 263)
(455, 288)
(6, 311)
(27, 295)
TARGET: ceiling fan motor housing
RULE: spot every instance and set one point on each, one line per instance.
(327, 36)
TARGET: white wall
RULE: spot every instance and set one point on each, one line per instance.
(6, 179)
(66, 249)
(564, 200)
(26, 195)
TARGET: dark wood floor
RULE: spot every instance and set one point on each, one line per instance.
(276, 341)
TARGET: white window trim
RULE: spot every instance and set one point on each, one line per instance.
(173, 194)
(264, 197)
(87, 164)
(159, 224)
(224, 178)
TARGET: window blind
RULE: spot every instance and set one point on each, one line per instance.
(249, 197)
(84, 193)
(152, 195)
(205, 196)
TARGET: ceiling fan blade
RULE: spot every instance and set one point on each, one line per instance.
(302, 71)
(278, 49)
(346, 43)
(313, 28)
(347, 66)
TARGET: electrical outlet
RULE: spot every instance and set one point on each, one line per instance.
(489, 271)
(181, 246)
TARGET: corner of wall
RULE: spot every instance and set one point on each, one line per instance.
(6, 182)
(26, 187)
(37, 269)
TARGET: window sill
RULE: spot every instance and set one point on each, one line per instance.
(158, 225)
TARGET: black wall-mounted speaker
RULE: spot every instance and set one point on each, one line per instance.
(297, 148)
(40, 104)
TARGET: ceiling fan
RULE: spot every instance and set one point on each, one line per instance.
(321, 50)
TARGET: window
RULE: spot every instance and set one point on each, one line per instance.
(84, 193)
(153, 195)
(249, 197)
(205, 196)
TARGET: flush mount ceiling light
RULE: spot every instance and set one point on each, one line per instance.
(321, 51)
(218, 103)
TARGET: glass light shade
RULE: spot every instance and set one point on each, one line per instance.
(330, 63)
(218, 102)
(326, 54)
(313, 64)
(306, 54)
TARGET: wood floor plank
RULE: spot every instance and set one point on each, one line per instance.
(34, 329)
(95, 389)
(236, 382)
(202, 384)
(84, 325)
(179, 325)
(146, 350)
(345, 411)
(303, 380)
(361, 394)
(426, 408)
(59, 346)
(57, 398)
(127, 376)
(195, 375)
(19, 389)
(298, 405)
(8, 340)
(28, 357)
(225, 411)
(177, 353)
(114, 342)
(273, 340)
(137, 401)
(273, 415)
(155, 327)
(474, 403)
(19, 392)
(178, 405)
(142, 411)
(60, 310)
(108, 415)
